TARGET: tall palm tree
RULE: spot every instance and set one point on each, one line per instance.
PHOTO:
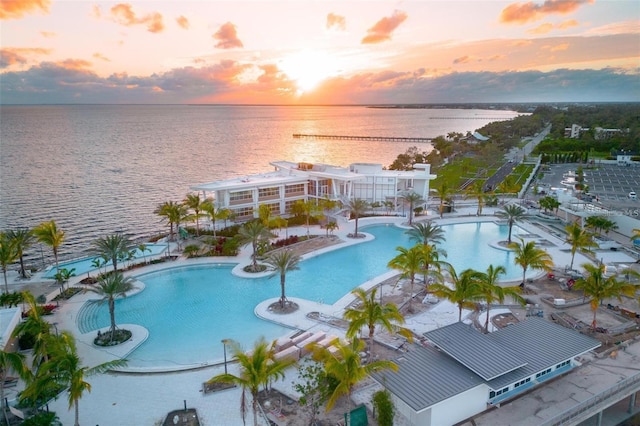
(476, 190)
(173, 213)
(23, 239)
(208, 206)
(466, 289)
(253, 232)
(346, 368)
(283, 261)
(370, 313)
(8, 255)
(110, 287)
(195, 203)
(113, 247)
(426, 233)
(48, 233)
(413, 198)
(36, 327)
(409, 263)
(257, 368)
(64, 368)
(493, 292)
(530, 256)
(10, 361)
(357, 207)
(431, 262)
(512, 214)
(443, 192)
(597, 287)
(579, 239)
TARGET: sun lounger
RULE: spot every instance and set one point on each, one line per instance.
(327, 341)
(305, 344)
(301, 337)
(277, 417)
(292, 352)
(283, 343)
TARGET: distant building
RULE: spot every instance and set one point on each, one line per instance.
(624, 157)
(599, 133)
(463, 372)
(291, 182)
(476, 138)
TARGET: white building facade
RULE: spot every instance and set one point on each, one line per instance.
(290, 182)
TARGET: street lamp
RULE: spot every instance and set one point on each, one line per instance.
(224, 346)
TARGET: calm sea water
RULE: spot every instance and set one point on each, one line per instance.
(98, 169)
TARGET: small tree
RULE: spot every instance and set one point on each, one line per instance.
(384, 407)
(313, 386)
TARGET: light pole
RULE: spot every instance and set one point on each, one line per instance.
(224, 348)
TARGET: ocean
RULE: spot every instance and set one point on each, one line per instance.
(100, 169)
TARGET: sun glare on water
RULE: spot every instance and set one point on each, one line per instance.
(308, 69)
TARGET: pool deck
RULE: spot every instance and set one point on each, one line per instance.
(145, 399)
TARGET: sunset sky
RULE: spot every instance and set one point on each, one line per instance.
(319, 52)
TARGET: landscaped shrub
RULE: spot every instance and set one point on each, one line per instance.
(285, 241)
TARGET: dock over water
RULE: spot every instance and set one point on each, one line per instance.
(362, 138)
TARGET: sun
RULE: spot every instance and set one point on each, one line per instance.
(308, 68)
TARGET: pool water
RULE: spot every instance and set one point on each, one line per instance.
(85, 265)
(189, 310)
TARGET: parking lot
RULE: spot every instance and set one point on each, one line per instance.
(610, 183)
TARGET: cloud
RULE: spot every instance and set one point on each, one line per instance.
(548, 27)
(19, 56)
(183, 22)
(100, 56)
(123, 14)
(16, 9)
(47, 34)
(227, 37)
(74, 64)
(567, 24)
(521, 13)
(336, 22)
(624, 27)
(383, 29)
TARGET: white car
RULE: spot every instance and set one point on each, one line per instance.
(633, 196)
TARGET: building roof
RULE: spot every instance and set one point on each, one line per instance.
(464, 343)
(428, 375)
(257, 180)
(480, 137)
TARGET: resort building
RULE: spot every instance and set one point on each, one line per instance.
(290, 182)
(462, 372)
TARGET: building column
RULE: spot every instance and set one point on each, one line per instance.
(632, 402)
(599, 419)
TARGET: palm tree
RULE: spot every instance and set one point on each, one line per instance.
(369, 312)
(173, 213)
(413, 198)
(112, 247)
(345, 367)
(635, 234)
(309, 209)
(283, 261)
(357, 207)
(257, 368)
(23, 239)
(530, 256)
(443, 192)
(195, 203)
(477, 190)
(330, 227)
(494, 292)
(110, 287)
(409, 262)
(597, 287)
(430, 256)
(36, 327)
(254, 233)
(426, 233)
(49, 234)
(8, 255)
(142, 248)
(466, 289)
(10, 361)
(64, 367)
(511, 213)
(579, 239)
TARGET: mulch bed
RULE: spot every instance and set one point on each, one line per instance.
(188, 417)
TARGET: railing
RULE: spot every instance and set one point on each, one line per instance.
(596, 403)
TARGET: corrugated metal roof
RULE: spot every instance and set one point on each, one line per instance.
(486, 357)
(427, 376)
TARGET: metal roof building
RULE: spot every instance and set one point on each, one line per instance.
(462, 372)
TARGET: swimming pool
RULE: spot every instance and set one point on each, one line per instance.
(85, 264)
(189, 310)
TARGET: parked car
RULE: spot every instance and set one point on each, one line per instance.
(633, 196)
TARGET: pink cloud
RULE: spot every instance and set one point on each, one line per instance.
(123, 14)
(227, 37)
(336, 21)
(16, 9)
(100, 56)
(541, 29)
(47, 34)
(183, 22)
(383, 29)
(521, 13)
(19, 56)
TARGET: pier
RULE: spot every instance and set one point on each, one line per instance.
(362, 138)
